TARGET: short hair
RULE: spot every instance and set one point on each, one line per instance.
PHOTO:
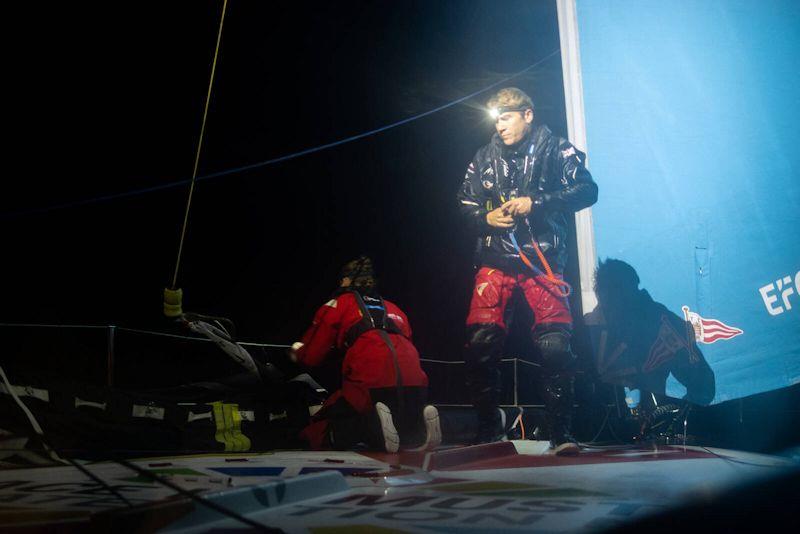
(360, 273)
(510, 97)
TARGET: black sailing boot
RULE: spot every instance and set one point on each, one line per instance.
(558, 399)
(482, 356)
(491, 419)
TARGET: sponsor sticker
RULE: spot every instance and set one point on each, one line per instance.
(776, 294)
(709, 330)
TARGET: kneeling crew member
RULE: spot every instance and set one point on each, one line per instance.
(381, 373)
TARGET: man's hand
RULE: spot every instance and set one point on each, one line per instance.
(518, 207)
(500, 218)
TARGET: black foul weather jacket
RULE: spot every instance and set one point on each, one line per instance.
(544, 167)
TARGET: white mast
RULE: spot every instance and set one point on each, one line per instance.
(576, 128)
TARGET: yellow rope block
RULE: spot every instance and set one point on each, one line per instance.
(173, 302)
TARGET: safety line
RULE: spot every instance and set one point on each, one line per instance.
(440, 361)
(33, 325)
(504, 360)
(445, 405)
(236, 170)
(206, 340)
(191, 338)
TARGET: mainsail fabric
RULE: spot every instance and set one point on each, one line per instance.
(691, 114)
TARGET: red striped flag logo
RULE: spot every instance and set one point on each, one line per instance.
(709, 330)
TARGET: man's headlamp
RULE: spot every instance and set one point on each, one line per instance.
(496, 112)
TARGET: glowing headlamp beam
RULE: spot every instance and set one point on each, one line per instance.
(494, 113)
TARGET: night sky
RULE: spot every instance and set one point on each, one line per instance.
(108, 99)
(104, 99)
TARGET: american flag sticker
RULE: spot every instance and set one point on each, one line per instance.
(709, 330)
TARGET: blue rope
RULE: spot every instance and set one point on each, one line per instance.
(272, 161)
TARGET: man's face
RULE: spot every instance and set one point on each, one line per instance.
(512, 126)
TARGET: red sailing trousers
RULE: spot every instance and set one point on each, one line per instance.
(493, 289)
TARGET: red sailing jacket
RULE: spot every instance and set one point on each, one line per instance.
(369, 362)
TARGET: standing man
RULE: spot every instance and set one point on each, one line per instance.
(517, 194)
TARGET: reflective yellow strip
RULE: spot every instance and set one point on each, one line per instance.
(234, 420)
(226, 413)
(228, 421)
(219, 421)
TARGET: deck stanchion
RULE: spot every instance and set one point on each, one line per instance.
(110, 356)
(516, 386)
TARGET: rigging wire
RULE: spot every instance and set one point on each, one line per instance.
(279, 159)
(108, 487)
(143, 472)
(742, 462)
(31, 418)
(199, 145)
(51, 449)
